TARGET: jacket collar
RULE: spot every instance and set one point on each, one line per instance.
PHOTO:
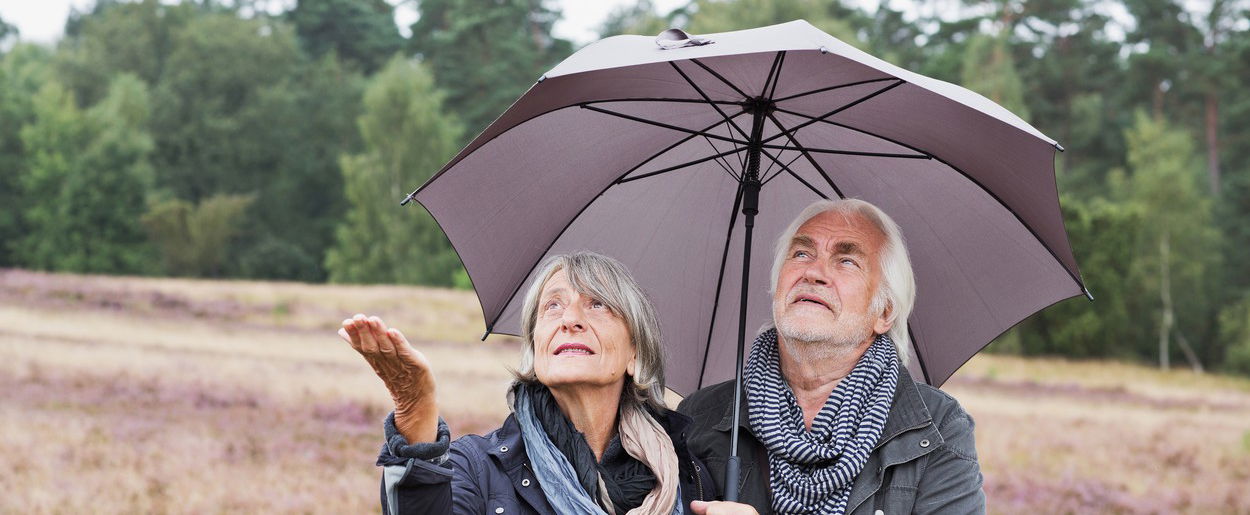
(908, 411)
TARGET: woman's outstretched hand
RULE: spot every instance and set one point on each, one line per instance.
(403, 369)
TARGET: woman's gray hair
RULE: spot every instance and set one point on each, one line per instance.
(608, 281)
(897, 291)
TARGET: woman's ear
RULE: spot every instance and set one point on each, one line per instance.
(632, 367)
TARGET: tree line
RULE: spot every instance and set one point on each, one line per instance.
(213, 139)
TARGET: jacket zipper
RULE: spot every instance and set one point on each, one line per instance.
(698, 479)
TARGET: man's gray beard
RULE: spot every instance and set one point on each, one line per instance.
(822, 343)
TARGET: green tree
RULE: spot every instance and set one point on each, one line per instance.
(486, 54)
(7, 31)
(361, 33)
(1178, 243)
(725, 15)
(990, 70)
(114, 37)
(193, 239)
(87, 177)
(23, 71)
(300, 127)
(639, 18)
(218, 65)
(1105, 238)
(407, 137)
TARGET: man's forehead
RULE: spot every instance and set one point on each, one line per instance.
(847, 229)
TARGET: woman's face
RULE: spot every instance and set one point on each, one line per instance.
(578, 341)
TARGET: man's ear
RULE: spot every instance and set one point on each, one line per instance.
(884, 321)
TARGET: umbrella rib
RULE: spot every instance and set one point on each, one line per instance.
(490, 326)
(720, 281)
(988, 191)
(672, 100)
(678, 167)
(786, 168)
(840, 109)
(783, 168)
(856, 129)
(777, 79)
(721, 161)
(831, 88)
(722, 79)
(774, 73)
(853, 152)
(916, 345)
(668, 148)
(703, 133)
(708, 99)
(810, 159)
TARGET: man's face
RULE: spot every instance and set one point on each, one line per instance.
(827, 281)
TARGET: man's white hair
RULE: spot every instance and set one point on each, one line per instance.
(897, 290)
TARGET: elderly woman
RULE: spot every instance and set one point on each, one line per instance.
(588, 432)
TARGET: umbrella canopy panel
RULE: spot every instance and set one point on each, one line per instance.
(644, 163)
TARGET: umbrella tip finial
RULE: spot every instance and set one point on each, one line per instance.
(677, 38)
(1088, 295)
(408, 198)
(824, 50)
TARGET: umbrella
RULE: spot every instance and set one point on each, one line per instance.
(684, 158)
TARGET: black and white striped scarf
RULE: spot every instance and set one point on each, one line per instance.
(812, 471)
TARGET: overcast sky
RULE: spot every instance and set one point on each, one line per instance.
(44, 20)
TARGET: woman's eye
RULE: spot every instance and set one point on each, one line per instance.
(597, 304)
(551, 305)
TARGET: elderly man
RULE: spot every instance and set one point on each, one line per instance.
(833, 423)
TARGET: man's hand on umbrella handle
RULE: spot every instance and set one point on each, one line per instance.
(721, 508)
(403, 369)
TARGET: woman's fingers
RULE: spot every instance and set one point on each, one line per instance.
(368, 344)
(383, 334)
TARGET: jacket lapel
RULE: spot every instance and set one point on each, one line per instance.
(509, 452)
(908, 424)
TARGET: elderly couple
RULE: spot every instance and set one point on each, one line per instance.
(833, 423)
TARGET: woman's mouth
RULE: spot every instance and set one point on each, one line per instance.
(573, 349)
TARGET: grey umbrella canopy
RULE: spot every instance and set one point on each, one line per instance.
(649, 154)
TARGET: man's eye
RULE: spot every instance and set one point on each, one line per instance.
(801, 254)
(849, 261)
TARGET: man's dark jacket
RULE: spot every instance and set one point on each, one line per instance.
(925, 462)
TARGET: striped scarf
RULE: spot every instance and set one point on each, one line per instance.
(812, 471)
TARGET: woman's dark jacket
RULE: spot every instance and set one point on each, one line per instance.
(492, 474)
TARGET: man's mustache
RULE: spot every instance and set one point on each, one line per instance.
(824, 296)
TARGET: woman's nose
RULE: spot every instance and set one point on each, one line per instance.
(572, 318)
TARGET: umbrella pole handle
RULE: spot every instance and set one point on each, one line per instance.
(750, 207)
(732, 467)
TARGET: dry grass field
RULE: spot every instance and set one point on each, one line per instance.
(130, 395)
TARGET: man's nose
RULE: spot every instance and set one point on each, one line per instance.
(816, 273)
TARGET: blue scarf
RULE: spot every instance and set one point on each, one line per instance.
(812, 471)
(556, 475)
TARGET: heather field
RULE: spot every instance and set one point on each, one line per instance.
(130, 395)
